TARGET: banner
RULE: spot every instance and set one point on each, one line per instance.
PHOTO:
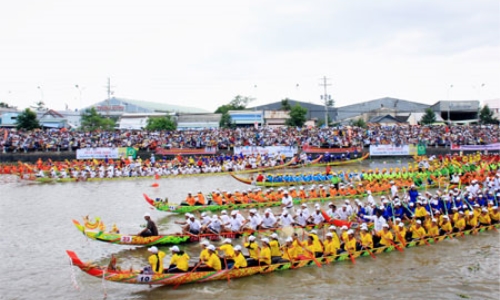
(187, 151)
(102, 153)
(288, 151)
(390, 150)
(98, 153)
(309, 149)
(489, 147)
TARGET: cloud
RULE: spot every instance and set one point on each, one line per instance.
(205, 53)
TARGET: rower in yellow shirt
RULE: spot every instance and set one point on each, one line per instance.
(400, 232)
(484, 218)
(366, 237)
(420, 211)
(330, 246)
(227, 248)
(265, 253)
(350, 245)
(459, 224)
(446, 227)
(275, 246)
(472, 221)
(179, 262)
(213, 263)
(253, 251)
(204, 254)
(417, 231)
(239, 259)
(335, 238)
(156, 260)
(433, 229)
(386, 237)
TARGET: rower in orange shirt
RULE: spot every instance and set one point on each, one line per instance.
(322, 192)
(333, 190)
(313, 193)
(190, 199)
(293, 193)
(201, 198)
(302, 193)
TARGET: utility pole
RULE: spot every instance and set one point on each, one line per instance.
(325, 97)
(109, 97)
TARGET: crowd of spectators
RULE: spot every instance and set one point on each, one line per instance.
(12, 140)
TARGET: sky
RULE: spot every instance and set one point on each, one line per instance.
(204, 53)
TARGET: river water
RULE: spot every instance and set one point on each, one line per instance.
(35, 221)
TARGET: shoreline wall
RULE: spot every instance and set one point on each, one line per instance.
(32, 157)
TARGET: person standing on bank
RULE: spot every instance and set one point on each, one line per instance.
(151, 229)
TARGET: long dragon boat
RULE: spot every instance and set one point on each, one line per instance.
(292, 183)
(175, 239)
(193, 276)
(181, 209)
(291, 163)
(340, 163)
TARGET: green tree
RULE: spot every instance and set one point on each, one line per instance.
(428, 118)
(5, 105)
(238, 103)
(91, 120)
(486, 116)
(359, 123)
(161, 123)
(225, 120)
(27, 120)
(285, 104)
(297, 116)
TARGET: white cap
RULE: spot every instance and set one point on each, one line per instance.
(304, 205)
(203, 214)
(314, 231)
(398, 219)
(344, 227)
(237, 248)
(434, 220)
(268, 210)
(211, 247)
(350, 231)
(274, 236)
(153, 249)
(205, 243)
(329, 234)
(289, 239)
(484, 209)
(147, 215)
(227, 241)
(265, 240)
(333, 227)
(174, 249)
(385, 225)
(401, 224)
(471, 213)
(419, 222)
(223, 212)
(251, 238)
(233, 213)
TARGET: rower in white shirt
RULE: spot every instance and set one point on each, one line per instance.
(269, 220)
(286, 218)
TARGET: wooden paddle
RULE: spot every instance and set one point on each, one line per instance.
(368, 250)
(187, 275)
(350, 255)
(394, 244)
(312, 257)
(227, 270)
